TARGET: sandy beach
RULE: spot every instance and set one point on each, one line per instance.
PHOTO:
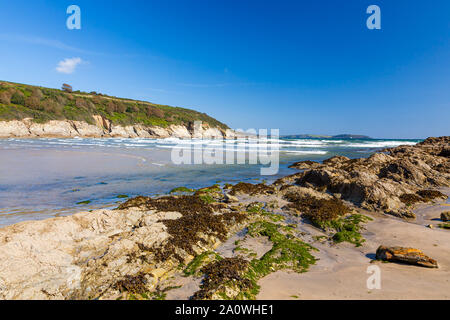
(310, 235)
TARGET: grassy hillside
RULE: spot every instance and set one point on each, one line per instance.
(18, 101)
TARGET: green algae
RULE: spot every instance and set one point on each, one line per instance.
(84, 202)
(240, 280)
(182, 190)
(444, 225)
(348, 229)
(199, 261)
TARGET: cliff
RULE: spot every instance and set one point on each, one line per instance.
(30, 112)
(103, 128)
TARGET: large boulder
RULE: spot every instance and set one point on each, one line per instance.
(405, 255)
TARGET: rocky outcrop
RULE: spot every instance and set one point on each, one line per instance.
(390, 181)
(14, 129)
(87, 130)
(103, 128)
(405, 255)
(95, 255)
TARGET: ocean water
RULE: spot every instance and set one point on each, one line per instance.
(42, 178)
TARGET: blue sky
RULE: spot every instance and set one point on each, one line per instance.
(300, 66)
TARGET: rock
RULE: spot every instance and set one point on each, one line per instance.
(391, 182)
(405, 255)
(95, 255)
(122, 132)
(141, 131)
(430, 226)
(445, 216)
(53, 128)
(12, 129)
(85, 129)
(158, 132)
(102, 122)
(179, 132)
(229, 198)
(302, 165)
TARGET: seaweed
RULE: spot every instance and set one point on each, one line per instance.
(222, 273)
(410, 198)
(84, 202)
(191, 229)
(134, 284)
(421, 196)
(236, 278)
(183, 204)
(251, 189)
(349, 229)
(429, 195)
(199, 261)
(318, 210)
(181, 190)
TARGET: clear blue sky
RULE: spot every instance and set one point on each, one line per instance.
(300, 66)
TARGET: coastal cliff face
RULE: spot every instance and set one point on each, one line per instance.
(103, 128)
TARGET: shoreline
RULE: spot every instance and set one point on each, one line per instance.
(144, 248)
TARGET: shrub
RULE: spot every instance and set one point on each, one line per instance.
(154, 112)
(37, 93)
(5, 98)
(33, 103)
(52, 106)
(18, 98)
(81, 103)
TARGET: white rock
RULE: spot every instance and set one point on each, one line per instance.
(180, 132)
(53, 128)
(15, 128)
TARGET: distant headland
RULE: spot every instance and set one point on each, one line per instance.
(319, 136)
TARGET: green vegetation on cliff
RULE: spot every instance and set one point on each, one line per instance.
(19, 101)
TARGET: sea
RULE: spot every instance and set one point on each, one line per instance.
(43, 178)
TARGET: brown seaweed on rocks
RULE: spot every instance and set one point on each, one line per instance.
(222, 272)
(252, 189)
(192, 229)
(319, 210)
(183, 204)
(429, 195)
(133, 284)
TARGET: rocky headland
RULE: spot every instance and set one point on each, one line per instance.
(28, 111)
(309, 235)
